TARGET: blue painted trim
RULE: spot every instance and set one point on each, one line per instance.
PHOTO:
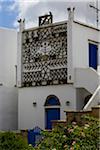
(52, 100)
(93, 55)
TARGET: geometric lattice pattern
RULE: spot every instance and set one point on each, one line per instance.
(46, 19)
(44, 55)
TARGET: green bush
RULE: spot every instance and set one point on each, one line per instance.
(9, 141)
(72, 137)
(83, 136)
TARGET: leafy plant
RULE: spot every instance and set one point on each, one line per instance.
(72, 137)
(9, 141)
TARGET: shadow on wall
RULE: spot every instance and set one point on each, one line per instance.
(8, 108)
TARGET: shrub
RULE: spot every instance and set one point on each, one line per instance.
(9, 141)
(72, 137)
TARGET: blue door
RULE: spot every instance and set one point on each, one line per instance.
(52, 114)
(93, 55)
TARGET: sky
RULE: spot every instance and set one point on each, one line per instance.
(13, 10)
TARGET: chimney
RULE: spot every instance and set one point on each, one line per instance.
(21, 24)
(71, 13)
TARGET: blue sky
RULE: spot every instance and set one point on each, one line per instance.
(7, 17)
(12, 10)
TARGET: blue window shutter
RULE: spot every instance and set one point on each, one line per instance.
(93, 51)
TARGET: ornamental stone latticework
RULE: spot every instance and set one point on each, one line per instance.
(44, 55)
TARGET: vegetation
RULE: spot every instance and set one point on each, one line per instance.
(81, 136)
(9, 141)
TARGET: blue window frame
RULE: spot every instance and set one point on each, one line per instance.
(93, 55)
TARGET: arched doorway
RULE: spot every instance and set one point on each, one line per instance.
(52, 110)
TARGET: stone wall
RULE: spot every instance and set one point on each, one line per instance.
(75, 116)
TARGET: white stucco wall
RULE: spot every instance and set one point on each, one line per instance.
(30, 116)
(8, 93)
(8, 57)
(8, 108)
(80, 36)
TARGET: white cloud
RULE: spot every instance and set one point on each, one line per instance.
(24, 7)
(12, 7)
(31, 9)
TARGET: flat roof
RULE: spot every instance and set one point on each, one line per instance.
(10, 29)
(46, 26)
(63, 22)
(86, 25)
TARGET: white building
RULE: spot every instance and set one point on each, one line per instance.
(57, 70)
(8, 91)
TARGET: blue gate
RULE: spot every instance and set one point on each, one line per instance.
(93, 55)
(34, 136)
